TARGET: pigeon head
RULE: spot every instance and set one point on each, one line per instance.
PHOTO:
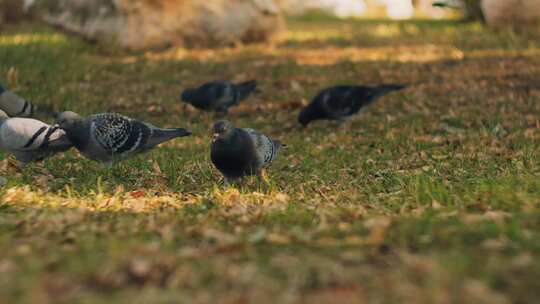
(222, 129)
(312, 112)
(68, 120)
(3, 115)
(187, 95)
(307, 115)
(303, 118)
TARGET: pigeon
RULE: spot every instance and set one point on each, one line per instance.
(29, 139)
(111, 137)
(238, 152)
(16, 106)
(342, 102)
(218, 96)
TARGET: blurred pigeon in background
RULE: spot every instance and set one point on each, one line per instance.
(218, 96)
(30, 139)
(239, 152)
(16, 106)
(110, 137)
(342, 102)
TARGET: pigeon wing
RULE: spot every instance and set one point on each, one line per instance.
(343, 101)
(14, 105)
(265, 148)
(24, 133)
(118, 134)
(339, 102)
(30, 139)
(221, 94)
(57, 140)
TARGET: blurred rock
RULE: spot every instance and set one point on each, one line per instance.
(395, 9)
(425, 8)
(338, 8)
(399, 9)
(499, 13)
(150, 24)
(292, 7)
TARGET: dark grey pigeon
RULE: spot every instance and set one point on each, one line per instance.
(342, 102)
(239, 152)
(218, 96)
(16, 106)
(110, 137)
(29, 139)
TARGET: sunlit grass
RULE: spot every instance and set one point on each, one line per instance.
(359, 40)
(32, 38)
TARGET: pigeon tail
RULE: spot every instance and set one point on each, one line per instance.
(391, 87)
(246, 88)
(384, 89)
(162, 135)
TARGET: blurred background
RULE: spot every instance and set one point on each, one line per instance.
(150, 24)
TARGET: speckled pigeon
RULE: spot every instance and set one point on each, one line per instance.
(239, 152)
(16, 106)
(110, 137)
(29, 139)
(342, 102)
(218, 96)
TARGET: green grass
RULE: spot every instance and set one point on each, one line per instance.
(430, 196)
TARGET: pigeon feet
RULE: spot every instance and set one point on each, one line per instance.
(108, 164)
(342, 123)
(264, 176)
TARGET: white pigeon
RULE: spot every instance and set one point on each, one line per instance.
(29, 139)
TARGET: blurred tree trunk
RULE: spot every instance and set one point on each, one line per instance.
(147, 24)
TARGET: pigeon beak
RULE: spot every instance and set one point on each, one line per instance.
(215, 136)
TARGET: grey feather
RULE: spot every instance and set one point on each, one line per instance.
(239, 152)
(16, 106)
(218, 95)
(30, 139)
(110, 137)
(266, 148)
(344, 101)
